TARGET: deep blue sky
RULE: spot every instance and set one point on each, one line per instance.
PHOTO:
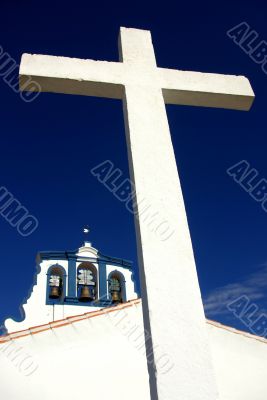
(49, 146)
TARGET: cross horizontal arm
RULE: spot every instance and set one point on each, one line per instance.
(72, 75)
(107, 79)
(206, 89)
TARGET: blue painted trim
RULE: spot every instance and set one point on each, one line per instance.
(96, 303)
(135, 285)
(72, 277)
(103, 292)
(65, 255)
(71, 298)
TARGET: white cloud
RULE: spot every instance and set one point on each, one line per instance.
(254, 286)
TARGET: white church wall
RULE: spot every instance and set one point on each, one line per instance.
(35, 309)
(103, 357)
(95, 358)
(240, 362)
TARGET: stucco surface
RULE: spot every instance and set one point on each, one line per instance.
(103, 357)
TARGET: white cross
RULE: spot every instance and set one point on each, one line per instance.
(172, 306)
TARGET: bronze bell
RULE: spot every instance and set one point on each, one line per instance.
(116, 298)
(86, 294)
(54, 292)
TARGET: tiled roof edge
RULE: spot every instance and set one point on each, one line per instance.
(76, 318)
(236, 331)
(66, 321)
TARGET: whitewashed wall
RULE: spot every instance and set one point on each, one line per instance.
(94, 359)
(103, 358)
(240, 363)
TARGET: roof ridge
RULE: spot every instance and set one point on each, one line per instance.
(80, 317)
(236, 331)
(66, 321)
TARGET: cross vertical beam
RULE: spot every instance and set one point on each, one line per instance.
(172, 306)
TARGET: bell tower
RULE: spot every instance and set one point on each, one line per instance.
(69, 283)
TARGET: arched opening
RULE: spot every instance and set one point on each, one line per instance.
(87, 282)
(116, 287)
(56, 283)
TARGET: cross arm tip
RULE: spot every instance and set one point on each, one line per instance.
(24, 72)
(207, 89)
(127, 29)
(134, 36)
(244, 93)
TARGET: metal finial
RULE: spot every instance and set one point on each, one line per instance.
(86, 230)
